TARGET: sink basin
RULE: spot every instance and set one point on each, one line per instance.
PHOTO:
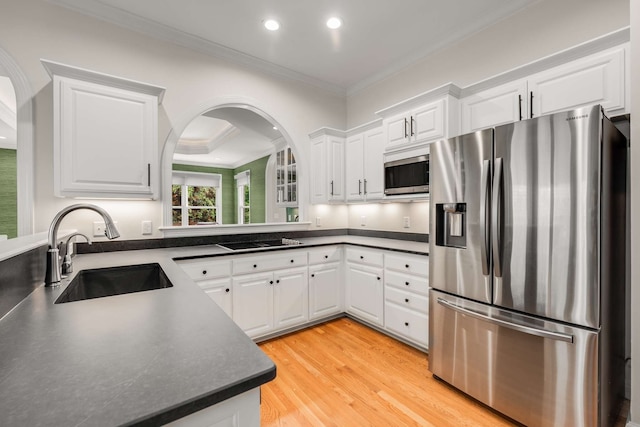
(105, 282)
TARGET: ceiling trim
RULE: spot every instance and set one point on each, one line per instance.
(134, 22)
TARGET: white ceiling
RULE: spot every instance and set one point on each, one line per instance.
(378, 37)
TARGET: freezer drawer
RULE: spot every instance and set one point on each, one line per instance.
(537, 372)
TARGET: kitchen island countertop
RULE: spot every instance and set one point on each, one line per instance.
(143, 358)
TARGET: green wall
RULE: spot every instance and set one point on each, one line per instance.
(257, 188)
(257, 169)
(8, 193)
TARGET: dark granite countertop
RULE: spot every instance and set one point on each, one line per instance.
(144, 358)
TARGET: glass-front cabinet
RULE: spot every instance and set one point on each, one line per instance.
(286, 178)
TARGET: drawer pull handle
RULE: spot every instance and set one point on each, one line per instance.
(255, 265)
(378, 277)
(291, 261)
(406, 265)
(313, 275)
(406, 300)
(326, 256)
(226, 290)
(406, 323)
(361, 256)
(271, 282)
(278, 281)
(204, 272)
(406, 283)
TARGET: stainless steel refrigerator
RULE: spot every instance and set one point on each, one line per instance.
(527, 267)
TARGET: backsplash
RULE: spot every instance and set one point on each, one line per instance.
(19, 276)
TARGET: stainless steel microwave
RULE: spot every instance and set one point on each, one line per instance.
(407, 176)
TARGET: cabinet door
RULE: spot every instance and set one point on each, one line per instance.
(336, 168)
(397, 129)
(364, 293)
(290, 297)
(597, 79)
(319, 168)
(253, 303)
(496, 106)
(219, 291)
(373, 185)
(324, 290)
(105, 141)
(355, 171)
(427, 122)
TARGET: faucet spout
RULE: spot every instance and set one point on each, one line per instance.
(53, 274)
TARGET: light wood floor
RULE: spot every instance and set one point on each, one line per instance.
(342, 373)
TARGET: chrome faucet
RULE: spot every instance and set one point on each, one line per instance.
(67, 263)
(54, 272)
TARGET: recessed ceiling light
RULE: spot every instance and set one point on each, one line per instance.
(275, 128)
(271, 24)
(334, 22)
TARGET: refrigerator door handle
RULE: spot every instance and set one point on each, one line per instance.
(496, 217)
(543, 333)
(485, 190)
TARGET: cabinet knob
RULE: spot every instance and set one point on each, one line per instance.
(226, 290)
(378, 277)
(406, 265)
(406, 300)
(313, 275)
(278, 281)
(292, 261)
(255, 265)
(406, 283)
(361, 256)
(326, 256)
(406, 323)
(271, 282)
(204, 272)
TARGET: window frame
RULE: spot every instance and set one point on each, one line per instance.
(196, 179)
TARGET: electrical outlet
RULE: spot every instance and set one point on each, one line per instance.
(406, 222)
(147, 228)
(318, 221)
(363, 220)
(98, 228)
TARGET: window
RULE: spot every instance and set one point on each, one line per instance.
(196, 198)
(243, 183)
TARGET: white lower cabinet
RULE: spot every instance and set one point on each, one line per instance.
(325, 282)
(220, 291)
(213, 275)
(242, 410)
(266, 302)
(406, 302)
(364, 285)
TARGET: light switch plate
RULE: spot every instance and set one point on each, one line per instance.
(147, 228)
(406, 222)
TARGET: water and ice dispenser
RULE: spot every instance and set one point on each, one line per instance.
(451, 225)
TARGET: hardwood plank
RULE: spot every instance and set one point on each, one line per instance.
(342, 373)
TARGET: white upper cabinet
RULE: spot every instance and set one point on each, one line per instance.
(496, 106)
(105, 135)
(424, 118)
(595, 79)
(364, 173)
(327, 167)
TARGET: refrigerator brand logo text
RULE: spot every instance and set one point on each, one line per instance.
(577, 117)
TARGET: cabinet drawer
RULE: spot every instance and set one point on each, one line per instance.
(364, 256)
(412, 264)
(408, 323)
(408, 282)
(262, 262)
(206, 268)
(324, 254)
(406, 299)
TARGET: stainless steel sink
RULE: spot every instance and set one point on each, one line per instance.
(104, 282)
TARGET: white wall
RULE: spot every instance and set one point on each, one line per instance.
(542, 29)
(34, 29)
(635, 208)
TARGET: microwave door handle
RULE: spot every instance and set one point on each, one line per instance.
(485, 212)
